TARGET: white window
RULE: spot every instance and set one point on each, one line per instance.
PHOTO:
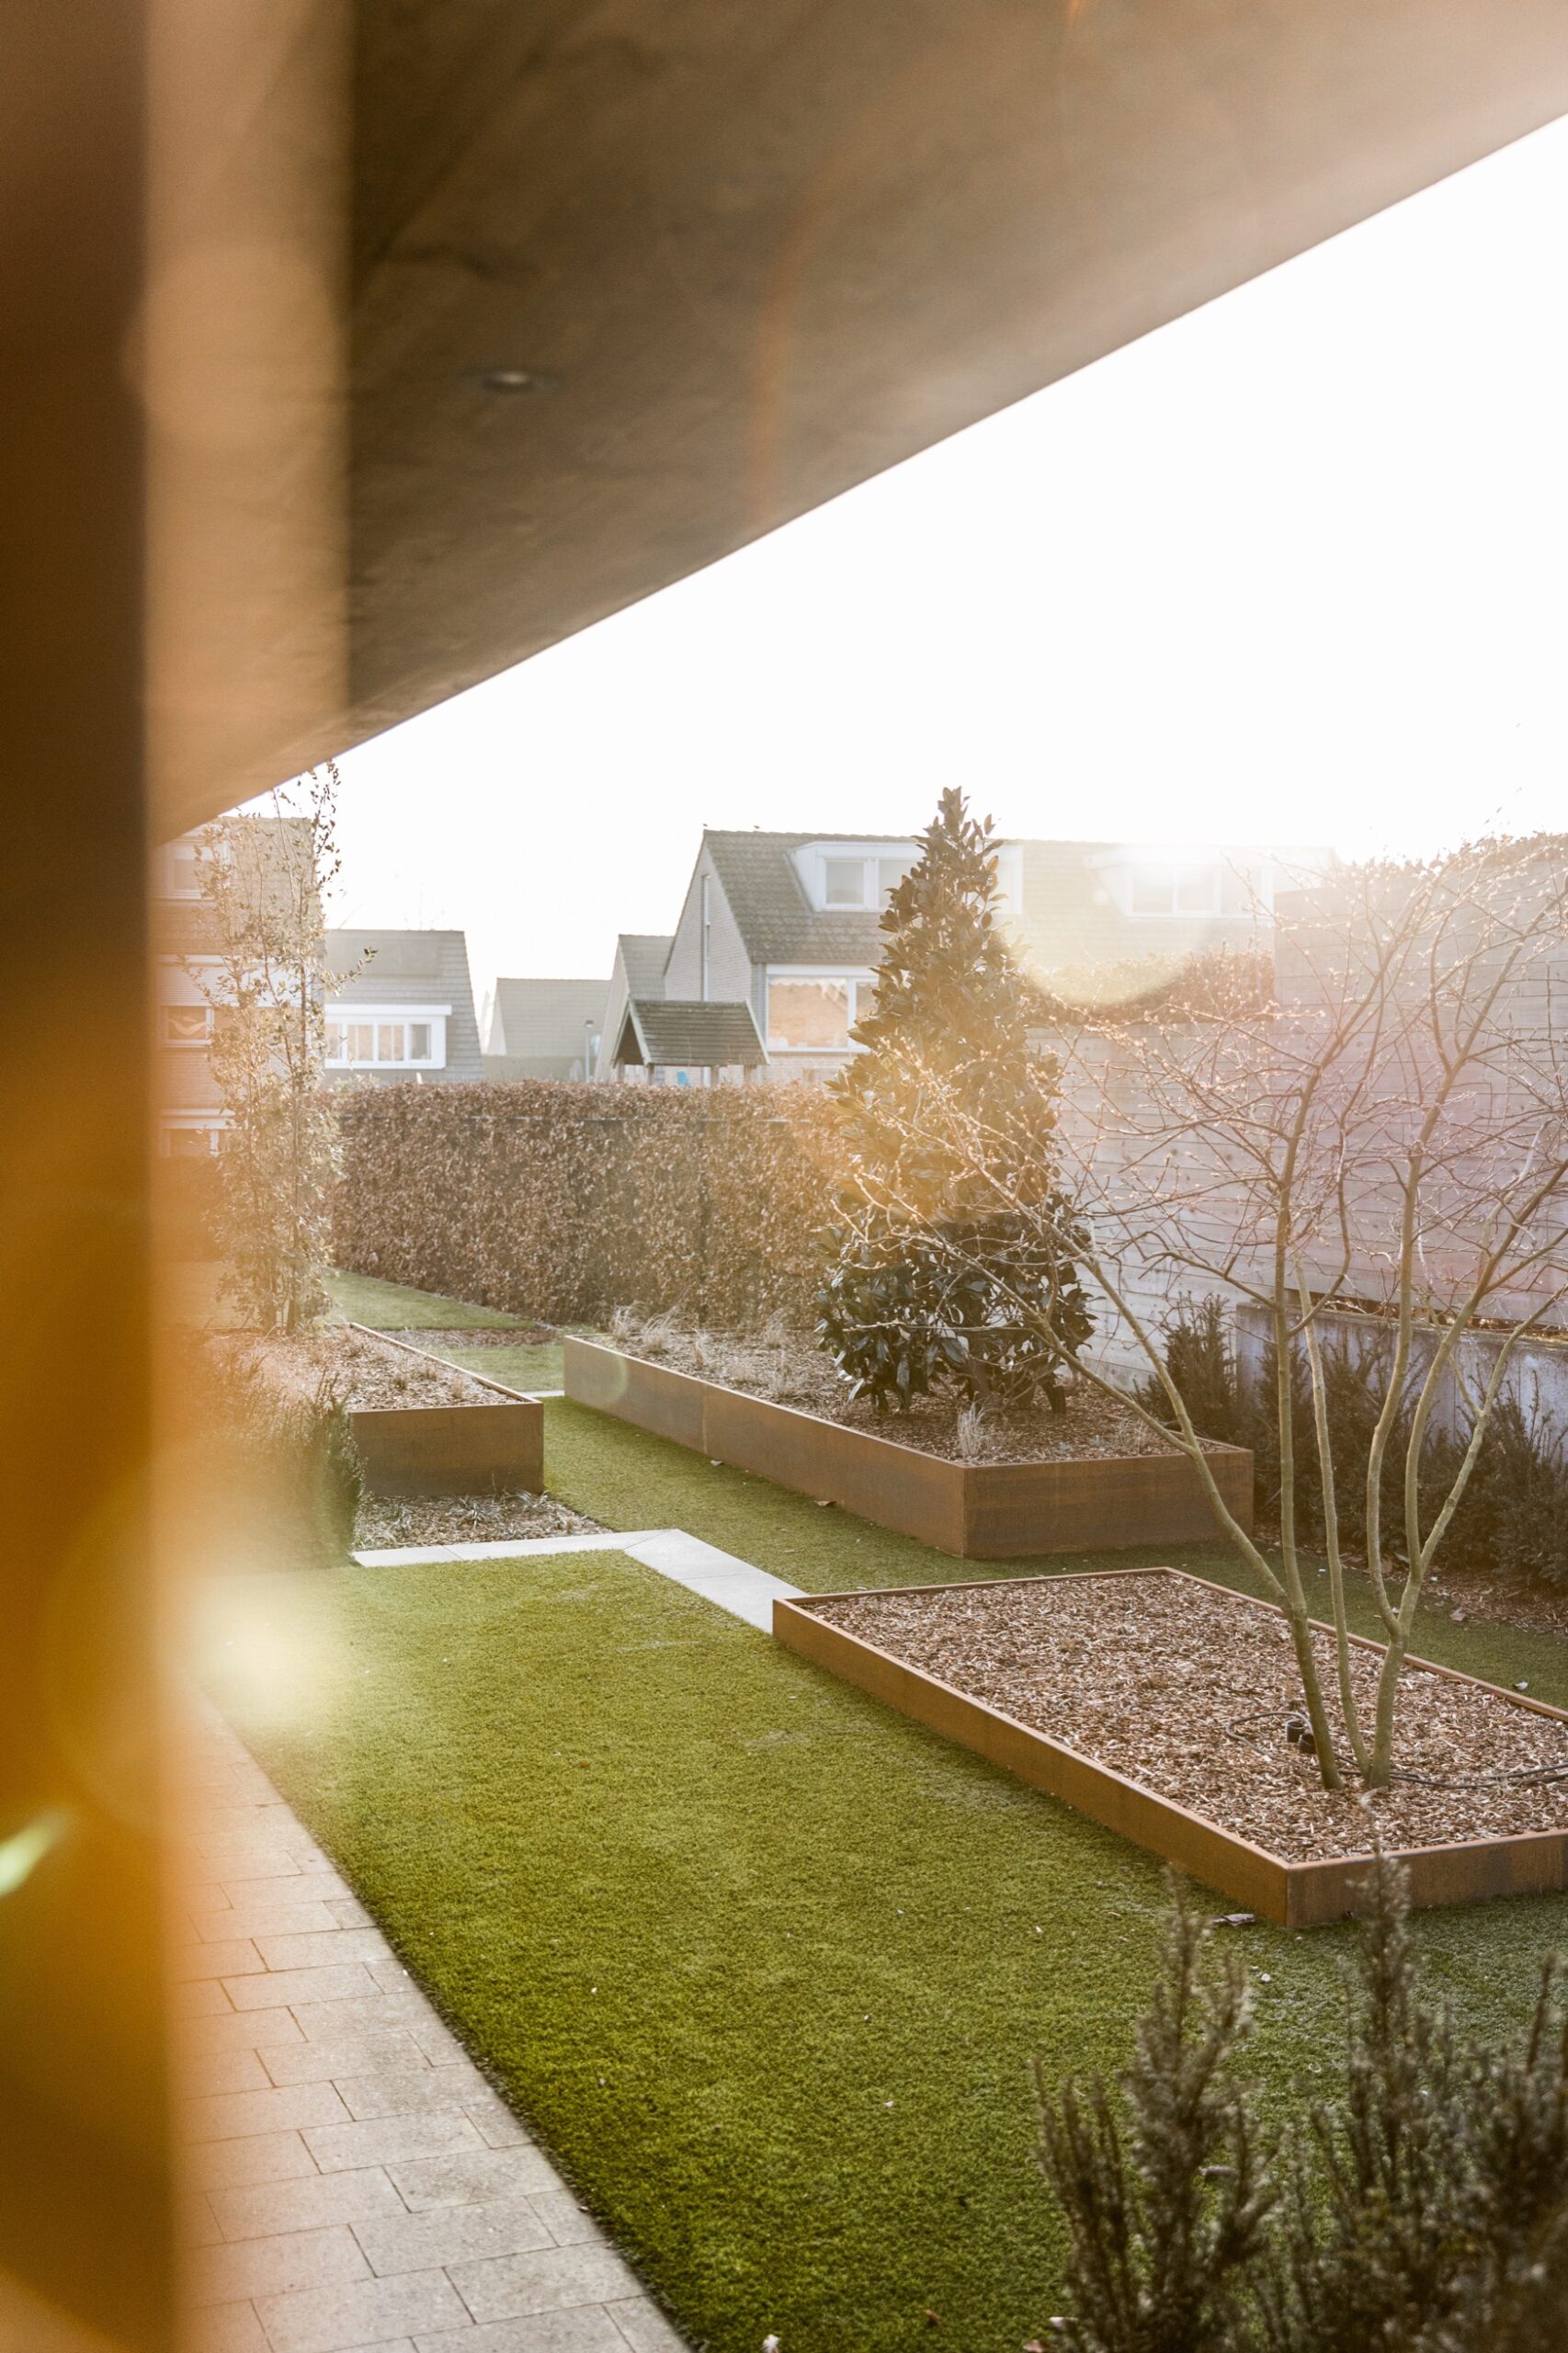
(186, 1025)
(178, 877)
(1175, 886)
(844, 881)
(814, 1012)
(190, 1136)
(852, 876)
(395, 1037)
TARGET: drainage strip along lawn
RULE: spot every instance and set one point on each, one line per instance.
(762, 1965)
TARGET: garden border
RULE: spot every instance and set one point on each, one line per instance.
(413, 1451)
(1296, 1896)
(979, 1511)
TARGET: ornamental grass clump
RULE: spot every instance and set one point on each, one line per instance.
(1423, 2206)
(938, 1283)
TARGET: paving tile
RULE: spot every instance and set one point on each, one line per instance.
(334, 2319)
(225, 2329)
(328, 1949)
(234, 1957)
(195, 2222)
(257, 2268)
(404, 2087)
(450, 2234)
(568, 2224)
(319, 2021)
(246, 1865)
(311, 2203)
(503, 2287)
(201, 2073)
(266, 2156)
(645, 2327)
(234, 2115)
(468, 2178)
(388, 2140)
(228, 2030)
(439, 2045)
(587, 2328)
(198, 1997)
(363, 2052)
(501, 2129)
(263, 1917)
(347, 1912)
(288, 1986)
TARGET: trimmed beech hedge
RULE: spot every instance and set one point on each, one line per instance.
(562, 1202)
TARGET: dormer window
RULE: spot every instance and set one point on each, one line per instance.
(844, 881)
(1172, 884)
(853, 878)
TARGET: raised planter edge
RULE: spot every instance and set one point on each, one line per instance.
(1295, 1895)
(419, 1452)
(985, 1511)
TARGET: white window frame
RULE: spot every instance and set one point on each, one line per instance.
(177, 873)
(1122, 872)
(811, 863)
(857, 976)
(210, 1123)
(185, 1045)
(345, 1011)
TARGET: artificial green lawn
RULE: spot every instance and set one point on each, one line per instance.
(763, 1964)
(705, 1912)
(393, 1307)
(626, 1479)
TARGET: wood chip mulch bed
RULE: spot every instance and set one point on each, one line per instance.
(1187, 1691)
(792, 1373)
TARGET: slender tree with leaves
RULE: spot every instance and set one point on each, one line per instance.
(263, 975)
(937, 1284)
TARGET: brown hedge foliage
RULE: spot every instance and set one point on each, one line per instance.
(562, 1202)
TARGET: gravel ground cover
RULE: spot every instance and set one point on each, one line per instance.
(791, 1372)
(763, 1965)
(1189, 1691)
(385, 1520)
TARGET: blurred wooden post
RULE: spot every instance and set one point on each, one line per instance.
(84, 2201)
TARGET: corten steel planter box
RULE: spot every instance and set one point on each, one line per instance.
(982, 1511)
(419, 1450)
(1296, 1895)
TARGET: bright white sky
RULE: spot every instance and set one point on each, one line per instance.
(1294, 568)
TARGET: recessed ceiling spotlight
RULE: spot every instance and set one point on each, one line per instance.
(511, 379)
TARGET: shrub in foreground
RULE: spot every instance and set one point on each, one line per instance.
(1423, 2207)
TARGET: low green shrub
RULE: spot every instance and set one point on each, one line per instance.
(286, 1480)
(1424, 2206)
(1513, 1516)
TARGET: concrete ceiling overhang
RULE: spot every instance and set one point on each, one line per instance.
(745, 254)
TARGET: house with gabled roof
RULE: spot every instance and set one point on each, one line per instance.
(399, 1007)
(785, 929)
(543, 1029)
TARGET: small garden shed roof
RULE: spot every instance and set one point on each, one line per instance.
(670, 1034)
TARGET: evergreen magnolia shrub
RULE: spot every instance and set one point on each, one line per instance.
(1421, 2209)
(926, 1292)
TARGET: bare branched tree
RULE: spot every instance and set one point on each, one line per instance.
(1386, 1138)
(263, 877)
